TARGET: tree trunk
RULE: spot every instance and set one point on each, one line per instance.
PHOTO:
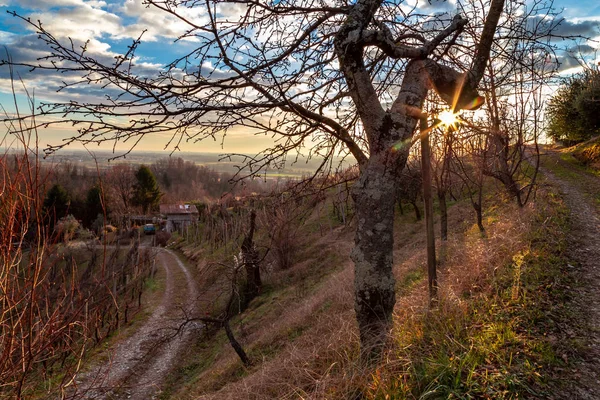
(235, 344)
(417, 211)
(500, 144)
(250, 260)
(385, 128)
(428, 199)
(477, 207)
(374, 197)
(444, 185)
(443, 215)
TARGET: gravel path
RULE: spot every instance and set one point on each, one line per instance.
(584, 249)
(138, 365)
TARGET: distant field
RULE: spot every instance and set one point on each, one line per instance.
(216, 161)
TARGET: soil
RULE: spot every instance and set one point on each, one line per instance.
(139, 363)
(581, 189)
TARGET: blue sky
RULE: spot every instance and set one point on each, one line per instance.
(111, 25)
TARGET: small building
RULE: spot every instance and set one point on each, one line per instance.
(179, 216)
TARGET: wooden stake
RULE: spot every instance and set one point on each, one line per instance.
(428, 200)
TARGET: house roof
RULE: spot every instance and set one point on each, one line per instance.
(178, 209)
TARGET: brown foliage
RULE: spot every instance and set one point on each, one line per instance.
(52, 310)
(162, 238)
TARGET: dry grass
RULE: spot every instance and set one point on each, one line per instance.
(588, 153)
(425, 341)
(287, 329)
(303, 339)
(487, 338)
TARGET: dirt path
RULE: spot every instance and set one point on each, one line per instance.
(138, 365)
(580, 189)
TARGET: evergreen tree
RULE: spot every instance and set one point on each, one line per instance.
(574, 111)
(93, 206)
(56, 204)
(146, 193)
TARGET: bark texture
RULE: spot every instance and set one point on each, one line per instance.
(251, 262)
(374, 197)
(239, 350)
(375, 192)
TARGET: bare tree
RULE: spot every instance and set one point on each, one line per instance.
(121, 180)
(283, 217)
(409, 186)
(250, 259)
(522, 63)
(428, 202)
(441, 171)
(469, 160)
(337, 75)
(52, 311)
(223, 319)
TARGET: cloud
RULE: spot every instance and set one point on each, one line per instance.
(107, 27)
(126, 19)
(585, 28)
(7, 37)
(43, 5)
(231, 12)
(157, 23)
(437, 5)
(573, 60)
(28, 49)
(70, 18)
(567, 62)
(582, 49)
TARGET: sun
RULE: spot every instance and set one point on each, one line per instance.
(448, 118)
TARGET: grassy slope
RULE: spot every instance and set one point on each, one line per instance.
(578, 165)
(503, 297)
(587, 153)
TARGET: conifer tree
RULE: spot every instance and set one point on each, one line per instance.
(146, 193)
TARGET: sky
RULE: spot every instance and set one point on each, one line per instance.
(111, 25)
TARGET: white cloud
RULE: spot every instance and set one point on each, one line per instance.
(81, 22)
(437, 5)
(157, 22)
(45, 4)
(99, 23)
(231, 12)
(85, 20)
(7, 37)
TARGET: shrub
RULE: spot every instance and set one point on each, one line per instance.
(162, 238)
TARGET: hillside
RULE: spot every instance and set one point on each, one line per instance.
(588, 152)
(517, 306)
(507, 323)
(365, 211)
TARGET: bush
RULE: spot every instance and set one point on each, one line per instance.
(66, 228)
(162, 238)
(574, 111)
